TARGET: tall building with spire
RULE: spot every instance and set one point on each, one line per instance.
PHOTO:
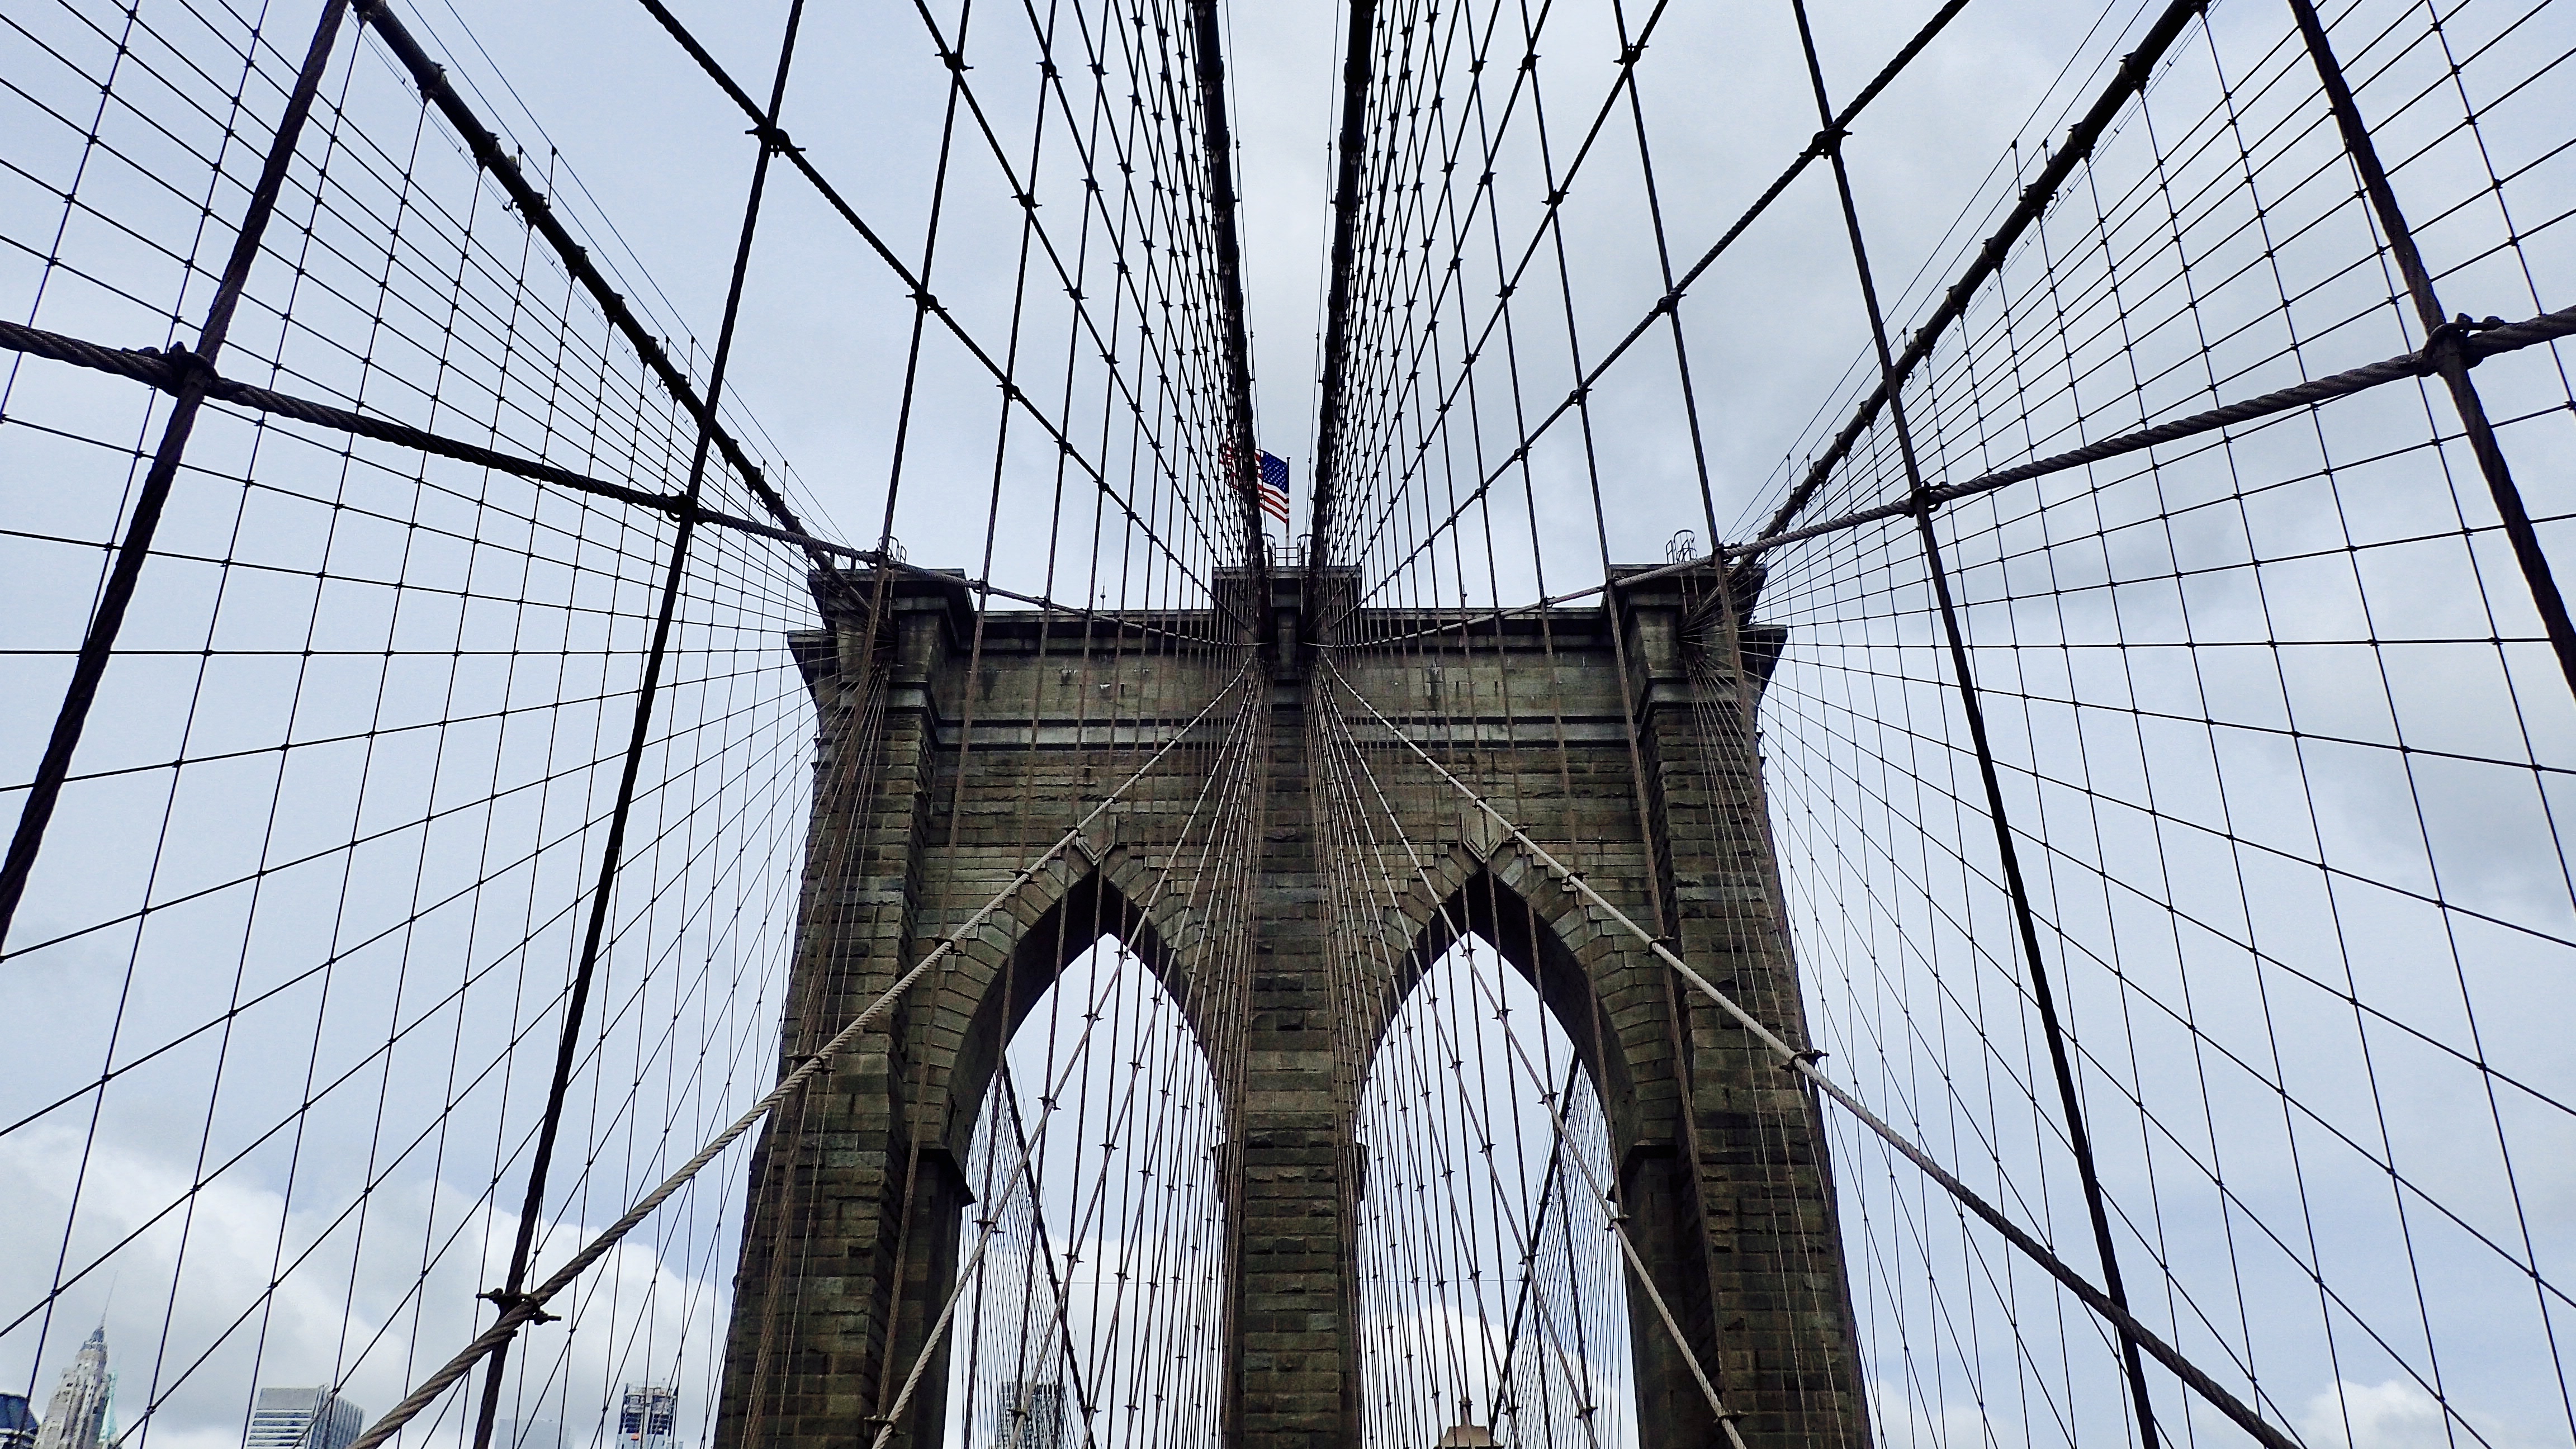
(77, 1419)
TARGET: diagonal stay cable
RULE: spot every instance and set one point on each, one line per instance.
(612, 852)
(116, 594)
(2474, 343)
(929, 302)
(1673, 297)
(2501, 489)
(2470, 344)
(1559, 190)
(528, 1306)
(431, 79)
(2210, 1390)
(2128, 81)
(2079, 1133)
(170, 372)
(1671, 300)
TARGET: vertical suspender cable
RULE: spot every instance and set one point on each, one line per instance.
(1351, 159)
(2018, 889)
(594, 937)
(2127, 83)
(1219, 142)
(100, 641)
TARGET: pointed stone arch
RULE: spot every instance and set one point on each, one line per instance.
(1049, 923)
(1593, 980)
(1604, 990)
(1093, 981)
(1458, 1039)
(1737, 1237)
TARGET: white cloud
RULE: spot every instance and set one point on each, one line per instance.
(1901, 1422)
(373, 1311)
(2397, 1414)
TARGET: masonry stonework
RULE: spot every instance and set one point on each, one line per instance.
(956, 748)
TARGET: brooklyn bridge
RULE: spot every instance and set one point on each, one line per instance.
(1855, 740)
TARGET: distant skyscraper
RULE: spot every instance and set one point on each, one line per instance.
(1030, 1416)
(78, 1414)
(523, 1434)
(303, 1419)
(649, 1417)
(17, 1422)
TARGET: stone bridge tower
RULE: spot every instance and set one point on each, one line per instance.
(934, 797)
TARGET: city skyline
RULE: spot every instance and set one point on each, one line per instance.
(80, 1414)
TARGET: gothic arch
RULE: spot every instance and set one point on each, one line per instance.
(1594, 981)
(1006, 970)
(1612, 998)
(1092, 981)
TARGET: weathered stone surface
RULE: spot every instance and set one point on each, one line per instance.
(1618, 738)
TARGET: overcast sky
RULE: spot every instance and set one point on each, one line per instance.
(644, 144)
(1728, 108)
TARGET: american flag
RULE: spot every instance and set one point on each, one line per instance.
(1272, 480)
(1274, 486)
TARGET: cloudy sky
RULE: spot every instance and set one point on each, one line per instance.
(652, 159)
(664, 158)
